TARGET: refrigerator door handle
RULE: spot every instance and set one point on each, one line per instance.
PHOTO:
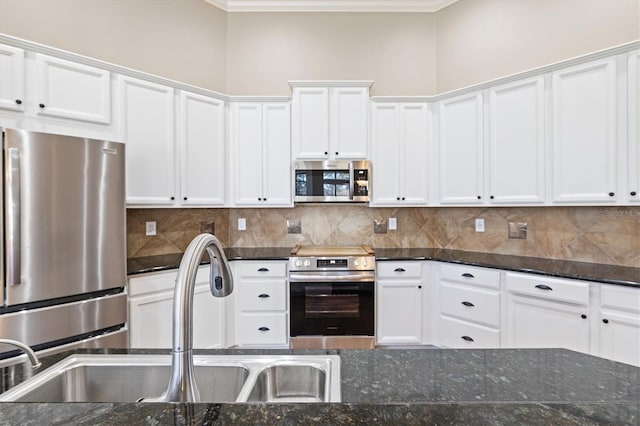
(13, 217)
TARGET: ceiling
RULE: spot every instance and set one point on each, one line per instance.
(331, 5)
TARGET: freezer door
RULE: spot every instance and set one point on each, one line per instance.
(64, 221)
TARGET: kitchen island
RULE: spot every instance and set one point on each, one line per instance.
(395, 386)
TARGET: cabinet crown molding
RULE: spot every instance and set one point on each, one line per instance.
(330, 83)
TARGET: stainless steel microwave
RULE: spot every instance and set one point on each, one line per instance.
(332, 181)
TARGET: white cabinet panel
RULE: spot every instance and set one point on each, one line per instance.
(11, 78)
(385, 153)
(348, 122)
(461, 149)
(584, 136)
(471, 304)
(276, 162)
(310, 122)
(201, 141)
(148, 130)
(71, 90)
(462, 334)
(633, 125)
(620, 337)
(247, 151)
(414, 134)
(516, 142)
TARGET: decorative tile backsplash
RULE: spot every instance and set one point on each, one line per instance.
(592, 234)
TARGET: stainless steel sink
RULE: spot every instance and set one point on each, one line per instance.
(220, 378)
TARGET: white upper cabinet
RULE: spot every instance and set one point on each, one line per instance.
(583, 132)
(329, 122)
(460, 132)
(399, 153)
(201, 144)
(70, 90)
(633, 132)
(516, 142)
(261, 154)
(147, 120)
(11, 78)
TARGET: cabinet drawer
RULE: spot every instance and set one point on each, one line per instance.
(399, 269)
(262, 296)
(475, 305)
(471, 275)
(620, 297)
(268, 329)
(549, 288)
(461, 334)
(260, 269)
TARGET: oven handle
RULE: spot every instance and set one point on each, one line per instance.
(320, 277)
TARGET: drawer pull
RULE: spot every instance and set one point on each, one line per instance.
(263, 270)
(263, 295)
(583, 316)
(544, 287)
(263, 328)
(467, 338)
(471, 305)
(399, 270)
(606, 321)
(467, 275)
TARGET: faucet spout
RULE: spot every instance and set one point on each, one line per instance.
(182, 384)
(35, 362)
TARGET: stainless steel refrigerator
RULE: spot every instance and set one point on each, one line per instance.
(64, 249)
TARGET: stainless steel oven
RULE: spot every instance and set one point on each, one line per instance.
(332, 300)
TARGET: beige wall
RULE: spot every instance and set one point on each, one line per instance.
(396, 50)
(479, 40)
(184, 40)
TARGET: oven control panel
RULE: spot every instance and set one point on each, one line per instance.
(347, 263)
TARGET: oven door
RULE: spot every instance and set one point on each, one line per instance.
(332, 303)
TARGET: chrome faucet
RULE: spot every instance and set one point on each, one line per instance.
(35, 362)
(182, 384)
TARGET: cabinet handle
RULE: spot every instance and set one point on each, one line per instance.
(491, 197)
(583, 316)
(479, 197)
(611, 194)
(41, 105)
(633, 193)
(467, 275)
(467, 338)
(185, 198)
(259, 199)
(606, 321)
(399, 270)
(18, 101)
(402, 198)
(544, 287)
(263, 295)
(419, 286)
(264, 199)
(263, 270)
(263, 328)
(471, 305)
(326, 153)
(337, 153)
(172, 198)
(398, 198)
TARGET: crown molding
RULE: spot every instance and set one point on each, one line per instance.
(331, 5)
(330, 83)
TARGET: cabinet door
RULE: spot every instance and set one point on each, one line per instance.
(633, 84)
(310, 122)
(201, 140)
(348, 122)
(70, 90)
(537, 323)
(620, 337)
(414, 131)
(148, 130)
(11, 78)
(584, 136)
(460, 144)
(385, 153)
(150, 320)
(247, 153)
(516, 142)
(276, 149)
(399, 312)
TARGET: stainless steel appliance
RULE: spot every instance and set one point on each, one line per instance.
(332, 297)
(63, 251)
(332, 181)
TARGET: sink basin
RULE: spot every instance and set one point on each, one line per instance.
(220, 378)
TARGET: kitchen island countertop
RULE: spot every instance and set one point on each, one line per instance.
(398, 386)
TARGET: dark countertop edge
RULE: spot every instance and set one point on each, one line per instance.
(602, 273)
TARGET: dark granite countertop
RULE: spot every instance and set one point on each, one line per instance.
(612, 274)
(399, 386)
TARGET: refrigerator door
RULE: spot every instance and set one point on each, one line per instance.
(64, 221)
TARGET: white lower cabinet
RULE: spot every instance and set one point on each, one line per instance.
(545, 312)
(619, 324)
(151, 308)
(261, 303)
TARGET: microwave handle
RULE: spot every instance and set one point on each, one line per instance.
(352, 181)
